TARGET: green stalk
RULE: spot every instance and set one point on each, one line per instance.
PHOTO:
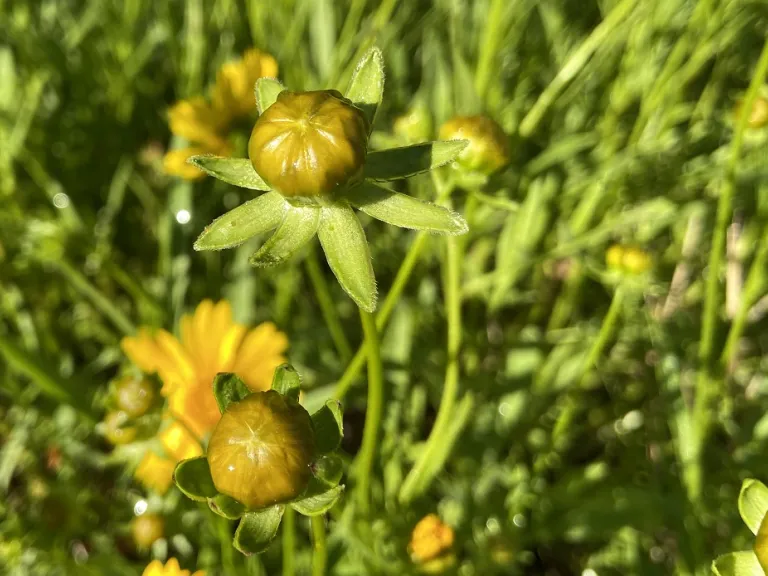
(319, 550)
(422, 473)
(289, 542)
(327, 307)
(489, 46)
(224, 534)
(373, 413)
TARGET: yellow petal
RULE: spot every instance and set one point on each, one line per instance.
(155, 472)
(197, 121)
(259, 355)
(154, 568)
(175, 163)
(179, 443)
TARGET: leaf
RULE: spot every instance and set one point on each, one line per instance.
(298, 227)
(228, 388)
(257, 530)
(318, 503)
(266, 90)
(397, 163)
(405, 211)
(737, 564)
(753, 503)
(366, 87)
(254, 217)
(328, 470)
(346, 250)
(226, 506)
(761, 545)
(287, 381)
(235, 171)
(329, 427)
(193, 478)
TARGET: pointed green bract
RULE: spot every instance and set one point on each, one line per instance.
(228, 388)
(405, 211)
(753, 503)
(298, 227)
(328, 470)
(193, 478)
(254, 217)
(737, 564)
(235, 171)
(318, 503)
(346, 250)
(257, 530)
(266, 90)
(398, 163)
(286, 381)
(227, 507)
(329, 427)
(366, 88)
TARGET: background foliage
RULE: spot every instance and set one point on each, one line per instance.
(621, 122)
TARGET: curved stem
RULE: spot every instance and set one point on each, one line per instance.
(289, 541)
(373, 413)
(319, 550)
(327, 307)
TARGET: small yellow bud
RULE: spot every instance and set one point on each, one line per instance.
(758, 116)
(115, 430)
(488, 148)
(134, 396)
(415, 125)
(146, 529)
(614, 256)
(430, 539)
(636, 261)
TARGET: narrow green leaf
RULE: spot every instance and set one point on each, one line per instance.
(257, 530)
(267, 90)
(366, 87)
(737, 564)
(329, 427)
(228, 388)
(254, 217)
(235, 171)
(226, 506)
(287, 381)
(398, 163)
(753, 503)
(346, 250)
(193, 478)
(405, 211)
(319, 503)
(298, 227)
(328, 470)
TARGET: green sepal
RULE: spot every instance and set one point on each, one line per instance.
(346, 251)
(286, 381)
(235, 171)
(317, 504)
(257, 530)
(737, 564)
(405, 211)
(193, 478)
(398, 163)
(228, 388)
(366, 87)
(266, 91)
(328, 469)
(329, 427)
(254, 217)
(753, 503)
(298, 227)
(226, 506)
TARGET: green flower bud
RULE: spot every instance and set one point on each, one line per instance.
(309, 143)
(261, 450)
(134, 396)
(146, 529)
(415, 125)
(115, 430)
(488, 148)
(758, 116)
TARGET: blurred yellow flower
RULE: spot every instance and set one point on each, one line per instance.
(171, 568)
(430, 539)
(211, 342)
(155, 471)
(205, 124)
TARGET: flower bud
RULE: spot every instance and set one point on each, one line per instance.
(488, 148)
(430, 539)
(614, 256)
(146, 529)
(415, 125)
(134, 396)
(309, 143)
(115, 430)
(627, 259)
(261, 450)
(758, 116)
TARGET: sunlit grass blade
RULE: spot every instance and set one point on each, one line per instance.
(298, 227)
(235, 171)
(398, 163)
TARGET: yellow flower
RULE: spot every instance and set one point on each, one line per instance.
(211, 342)
(233, 93)
(155, 472)
(430, 539)
(171, 568)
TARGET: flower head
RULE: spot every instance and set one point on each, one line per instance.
(488, 149)
(233, 93)
(146, 529)
(171, 568)
(430, 539)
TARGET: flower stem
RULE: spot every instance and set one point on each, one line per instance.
(289, 541)
(373, 413)
(224, 533)
(323, 294)
(319, 550)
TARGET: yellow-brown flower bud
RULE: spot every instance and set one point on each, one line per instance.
(488, 148)
(309, 143)
(261, 450)
(134, 396)
(115, 429)
(430, 539)
(146, 529)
